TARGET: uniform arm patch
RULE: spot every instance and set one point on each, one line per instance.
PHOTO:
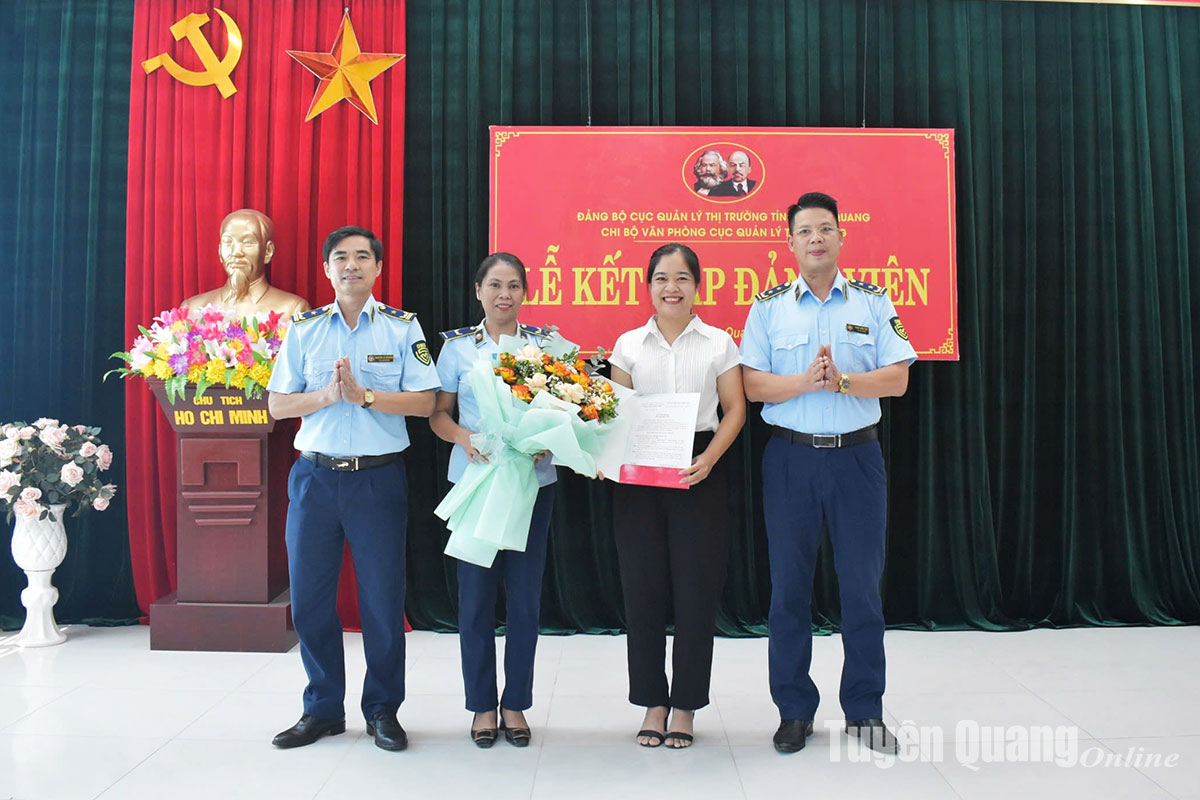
(421, 351)
(898, 327)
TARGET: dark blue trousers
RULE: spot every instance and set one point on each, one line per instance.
(368, 509)
(478, 588)
(805, 488)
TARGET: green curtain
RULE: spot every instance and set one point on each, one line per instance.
(65, 95)
(1050, 477)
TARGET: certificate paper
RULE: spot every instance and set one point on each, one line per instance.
(653, 440)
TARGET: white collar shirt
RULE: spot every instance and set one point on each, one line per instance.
(692, 363)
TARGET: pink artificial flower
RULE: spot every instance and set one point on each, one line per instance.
(27, 432)
(213, 314)
(7, 481)
(31, 493)
(8, 450)
(104, 456)
(12, 432)
(26, 509)
(171, 316)
(100, 503)
(43, 422)
(88, 449)
(71, 474)
(81, 428)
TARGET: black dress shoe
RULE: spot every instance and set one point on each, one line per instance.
(792, 733)
(307, 731)
(873, 733)
(387, 731)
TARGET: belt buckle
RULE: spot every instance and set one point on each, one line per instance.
(826, 440)
(347, 464)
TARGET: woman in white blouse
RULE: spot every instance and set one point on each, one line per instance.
(673, 544)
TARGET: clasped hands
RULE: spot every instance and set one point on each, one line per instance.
(822, 373)
(343, 386)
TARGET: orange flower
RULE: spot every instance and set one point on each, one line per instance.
(560, 369)
(607, 387)
(522, 393)
(581, 378)
(589, 412)
(547, 359)
(507, 374)
(580, 365)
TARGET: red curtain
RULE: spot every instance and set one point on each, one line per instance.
(194, 156)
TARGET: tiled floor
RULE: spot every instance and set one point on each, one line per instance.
(104, 716)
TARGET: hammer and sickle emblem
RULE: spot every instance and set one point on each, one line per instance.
(215, 72)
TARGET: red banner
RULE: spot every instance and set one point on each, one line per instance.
(217, 123)
(585, 207)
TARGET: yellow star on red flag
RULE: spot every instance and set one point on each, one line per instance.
(345, 72)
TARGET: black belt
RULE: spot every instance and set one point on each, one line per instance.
(868, 434)
(349, 463)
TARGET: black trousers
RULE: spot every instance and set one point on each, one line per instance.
(672, 546)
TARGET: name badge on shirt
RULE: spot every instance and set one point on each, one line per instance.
(857, 328)
(381, 358)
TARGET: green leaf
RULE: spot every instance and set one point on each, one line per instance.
(228, 376)
(202, 385)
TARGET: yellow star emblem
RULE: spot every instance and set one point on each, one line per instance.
(345, 72)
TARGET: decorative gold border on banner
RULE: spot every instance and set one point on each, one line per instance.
(948, 347)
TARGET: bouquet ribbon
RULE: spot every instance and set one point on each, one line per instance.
(490, 508)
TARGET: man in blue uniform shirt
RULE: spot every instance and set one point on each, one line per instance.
(819, 353)
(352, 371)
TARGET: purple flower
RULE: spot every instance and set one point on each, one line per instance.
(179, 363)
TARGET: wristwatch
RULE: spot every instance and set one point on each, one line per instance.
(368, 398)
(844, 384)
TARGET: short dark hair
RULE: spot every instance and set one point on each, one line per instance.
(486, 265)
(689, 256)
(811, 200)
(345, 232)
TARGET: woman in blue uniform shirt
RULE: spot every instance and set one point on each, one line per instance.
(500, 288)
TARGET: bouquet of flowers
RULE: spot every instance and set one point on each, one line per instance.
(47, 464)
(206, 347)
(531, 371)
(536, 400)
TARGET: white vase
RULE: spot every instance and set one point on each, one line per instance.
(38, 547)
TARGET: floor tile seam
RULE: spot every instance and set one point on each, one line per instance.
(199, 717)
(1140, 770)
(345, 754)
(937, 767)
(34, 710)
(130, 771)
(1085, 733)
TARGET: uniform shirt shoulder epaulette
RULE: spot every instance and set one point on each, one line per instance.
(533, 330)
(774, 291)
(311, 314)
(457, 333)
(870, 288)
(395, 313)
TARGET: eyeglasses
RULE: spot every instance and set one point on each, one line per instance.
(824, 230)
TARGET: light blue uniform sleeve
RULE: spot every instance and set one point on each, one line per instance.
(756, 346)
(287, 377)
(890, 346)
(447, 367)
(419, 376)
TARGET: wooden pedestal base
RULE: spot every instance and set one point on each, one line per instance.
(243, 627)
